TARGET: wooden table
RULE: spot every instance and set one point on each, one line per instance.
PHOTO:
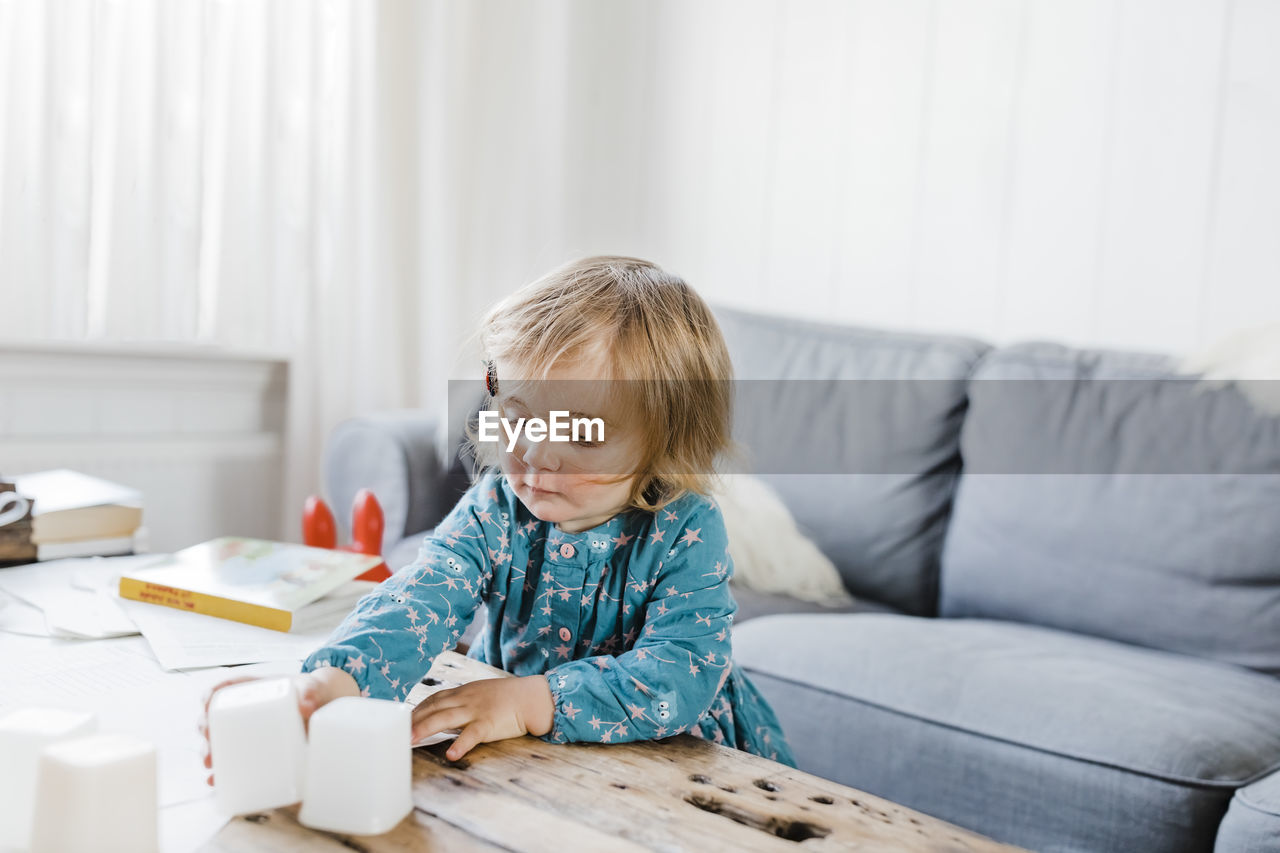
(680, 794)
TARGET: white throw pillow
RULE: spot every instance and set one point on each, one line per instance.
(769, 552)
(1249, 355)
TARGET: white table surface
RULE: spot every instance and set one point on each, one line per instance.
(122, 682)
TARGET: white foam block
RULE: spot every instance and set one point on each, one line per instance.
(24, 734)
(359, 767)
(258, 745)
(98, 793)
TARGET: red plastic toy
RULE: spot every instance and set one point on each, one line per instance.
(320, 531)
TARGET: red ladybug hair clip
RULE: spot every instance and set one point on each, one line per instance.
(491, 378)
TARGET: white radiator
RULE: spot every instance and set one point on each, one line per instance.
(200, 433)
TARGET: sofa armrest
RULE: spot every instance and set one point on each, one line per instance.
(1252, 823)
(399, 455)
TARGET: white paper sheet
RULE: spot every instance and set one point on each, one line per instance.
(192, 640)
(18, 617)
(68, 672)
(74, 594)
(121, 682)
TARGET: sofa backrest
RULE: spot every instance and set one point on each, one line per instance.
(1104, 494)
(858, 431)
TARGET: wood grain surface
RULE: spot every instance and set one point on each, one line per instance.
(681, 793)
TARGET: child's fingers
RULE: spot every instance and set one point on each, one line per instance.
(309, 699)
(438, 721)
(443, 698)
(203, 723)
(203, 727)
(471, 735)
(427, 707)
(442, 720)
(208, 697)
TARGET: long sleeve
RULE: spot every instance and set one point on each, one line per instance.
(387, 643)
(677, 664)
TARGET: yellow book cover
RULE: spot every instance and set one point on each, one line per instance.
(255, 581)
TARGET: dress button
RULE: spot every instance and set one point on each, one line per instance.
(565, 635)
(566, 550)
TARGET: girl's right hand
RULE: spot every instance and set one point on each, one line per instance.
(315, 689)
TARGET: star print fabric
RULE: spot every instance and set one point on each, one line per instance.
(628, 621)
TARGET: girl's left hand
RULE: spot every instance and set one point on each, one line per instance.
(487, 710)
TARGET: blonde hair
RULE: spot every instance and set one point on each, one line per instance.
(657, 336)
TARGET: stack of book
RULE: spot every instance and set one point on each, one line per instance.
(71, 515)
(15, 526)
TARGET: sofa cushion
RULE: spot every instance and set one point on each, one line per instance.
(1105, 495)
(1252, 824)
(858, 432)
(753, 604)
(1036, 737)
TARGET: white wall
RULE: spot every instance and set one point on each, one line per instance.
(347, 185)
(200, 433)
(1100, 172)
(208, 171)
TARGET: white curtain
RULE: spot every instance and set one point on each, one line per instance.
(222, 172)
(341, 183)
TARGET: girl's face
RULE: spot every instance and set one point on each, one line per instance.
(575, 484)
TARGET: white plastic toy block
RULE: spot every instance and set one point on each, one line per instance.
(258, 745)
(359, 767)
(24, 734)
(97, 793)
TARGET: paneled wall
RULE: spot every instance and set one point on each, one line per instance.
(199, 433)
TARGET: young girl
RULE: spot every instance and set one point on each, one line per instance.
(604, 567)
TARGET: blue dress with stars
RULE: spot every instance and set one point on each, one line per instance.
(629, 621)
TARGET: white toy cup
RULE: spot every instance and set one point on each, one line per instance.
(24, 735)
(359, 767)
(97, 793)
(258, 745)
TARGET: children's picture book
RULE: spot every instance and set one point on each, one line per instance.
(255, 581)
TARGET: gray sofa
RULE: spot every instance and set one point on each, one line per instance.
(1067, 572)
